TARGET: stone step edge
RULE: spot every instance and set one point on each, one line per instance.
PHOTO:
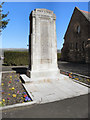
(24, 78)
(81, 83)
(30, 95)
(18, 105)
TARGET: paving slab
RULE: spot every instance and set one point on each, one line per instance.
(44, 91)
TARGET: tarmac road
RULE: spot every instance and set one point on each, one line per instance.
(79, 68)
(76, 107)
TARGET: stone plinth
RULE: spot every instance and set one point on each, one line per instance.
(42, 45)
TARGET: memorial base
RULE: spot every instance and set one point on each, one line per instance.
(43, 75)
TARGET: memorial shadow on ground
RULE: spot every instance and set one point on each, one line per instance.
(21, 70)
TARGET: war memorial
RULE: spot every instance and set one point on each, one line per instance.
(43, 81)
(43, 45)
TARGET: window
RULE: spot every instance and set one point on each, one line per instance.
(78, 29)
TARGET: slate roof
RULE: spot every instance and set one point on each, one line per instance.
(86, 14)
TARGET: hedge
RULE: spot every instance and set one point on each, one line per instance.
(16, 58)
(58, 56)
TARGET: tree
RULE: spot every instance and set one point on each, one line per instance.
(3, 21)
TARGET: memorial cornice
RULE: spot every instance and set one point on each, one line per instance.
(43, 12)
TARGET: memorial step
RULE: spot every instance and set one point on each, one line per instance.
(25, 79)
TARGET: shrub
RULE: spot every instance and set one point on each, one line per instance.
(58, 56)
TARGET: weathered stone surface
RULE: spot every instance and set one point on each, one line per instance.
(42, 44)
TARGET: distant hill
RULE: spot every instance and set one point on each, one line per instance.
(15, 49)
(21, 49)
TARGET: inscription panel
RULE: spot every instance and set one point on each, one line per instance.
(45, 51)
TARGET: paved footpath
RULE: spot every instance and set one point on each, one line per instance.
(44, 91)
(76, 107)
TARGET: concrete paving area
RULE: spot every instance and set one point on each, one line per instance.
(44, 91)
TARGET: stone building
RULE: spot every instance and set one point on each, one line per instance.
(76, 45)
